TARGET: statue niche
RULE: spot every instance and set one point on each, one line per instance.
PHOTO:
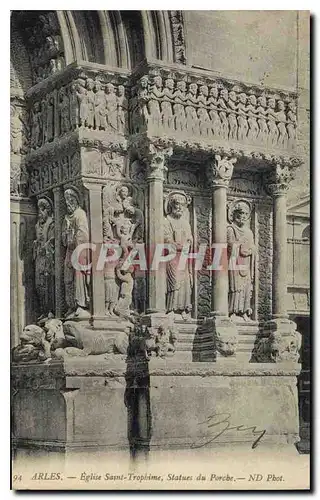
(123, 225)
(241, 254)
(43, 256)
(177, 232)
(75, 231)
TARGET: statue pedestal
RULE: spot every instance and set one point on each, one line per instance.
(103, 403)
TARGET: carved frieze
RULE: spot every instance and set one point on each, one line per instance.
(192, 106)
(50, 174)
(177, 29)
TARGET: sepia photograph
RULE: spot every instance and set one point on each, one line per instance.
(160, 250)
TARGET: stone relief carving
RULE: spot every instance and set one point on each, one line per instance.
(75, 231)
(177, 231)
(203, 224)
(218, 110)
(264, 255)
(177, 28)
(241, 252)
(18, 130)
(123, 223)
(53, 173)
(43, 256)
(160, 341)
(277, 348)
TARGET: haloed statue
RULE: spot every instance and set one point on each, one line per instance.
(241, 251)
(75, 231)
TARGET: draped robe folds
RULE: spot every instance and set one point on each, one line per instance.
(43, 254)
(75, 231)
(241, 245)
(179, 282)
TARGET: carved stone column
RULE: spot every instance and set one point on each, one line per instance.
(282, 342)
(155, 176)
(58, 252)
(219, 173)
(97, 275)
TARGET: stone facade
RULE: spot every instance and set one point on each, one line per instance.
(128, 151)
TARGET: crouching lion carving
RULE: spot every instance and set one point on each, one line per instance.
(277, 348)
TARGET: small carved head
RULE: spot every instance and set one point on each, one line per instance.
(253, 100)
(169, 83)
(109, 88)
(292, 106)
(240, 213)
(32, 334)
(214, 92)
(72, 200)
(232, 95)
(157, 81)
(262, 101)
(181, 85)
(90, 84)
(97, 85)
(242, 98)
(144, 82)
(224, 94)
(128, 205)
(120, 90)
(193, 87)
(281, 105)
(271, 103)
(204, 90)
(44, 209)
(123, 192)
(37, 106)
(177, 204)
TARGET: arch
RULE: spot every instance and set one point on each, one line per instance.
(88, 28)
(306, 233)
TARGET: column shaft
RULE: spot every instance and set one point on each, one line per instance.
(279, 262)
(219, 235)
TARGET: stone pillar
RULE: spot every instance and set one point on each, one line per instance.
(283, 341)
(219, 173)
(96, 238)
(58, 252)
(156, 301)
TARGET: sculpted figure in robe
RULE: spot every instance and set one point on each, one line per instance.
(177, 231)
(43, 256)
(74, 232)
(241, 251)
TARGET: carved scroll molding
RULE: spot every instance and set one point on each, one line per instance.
(178, 37)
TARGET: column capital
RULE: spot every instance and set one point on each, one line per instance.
(278, 180)
(155, 159)
(219, 170)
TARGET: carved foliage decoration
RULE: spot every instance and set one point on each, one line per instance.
(177, 29)
(264, 255)
(203, 225)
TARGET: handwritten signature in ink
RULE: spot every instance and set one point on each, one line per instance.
(220, 422)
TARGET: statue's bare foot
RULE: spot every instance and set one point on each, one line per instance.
(81, 313)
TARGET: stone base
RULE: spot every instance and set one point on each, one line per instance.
(96, 403)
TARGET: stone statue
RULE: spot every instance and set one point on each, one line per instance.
(111, 106)
(123, 223)
(177, 231)
(281, 121)
(291, 124)
(122, 110)
(74, 232)
(74, 106)
(262, 122)
(49, 118)
(142, 115)
(213, 113)
(178, 106)
(82, 103)
(241, 250)
(33, 346)
(153, 104)
(36, 127)
(90, 103)
(17, 131)
(43, 256)
(232, 117)
(204, 120)
(191, 114)
(166, 104)
(242, 117)
(272, 126)
(100, 107)
(64, 109)
(252, 119)
(222, 104)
